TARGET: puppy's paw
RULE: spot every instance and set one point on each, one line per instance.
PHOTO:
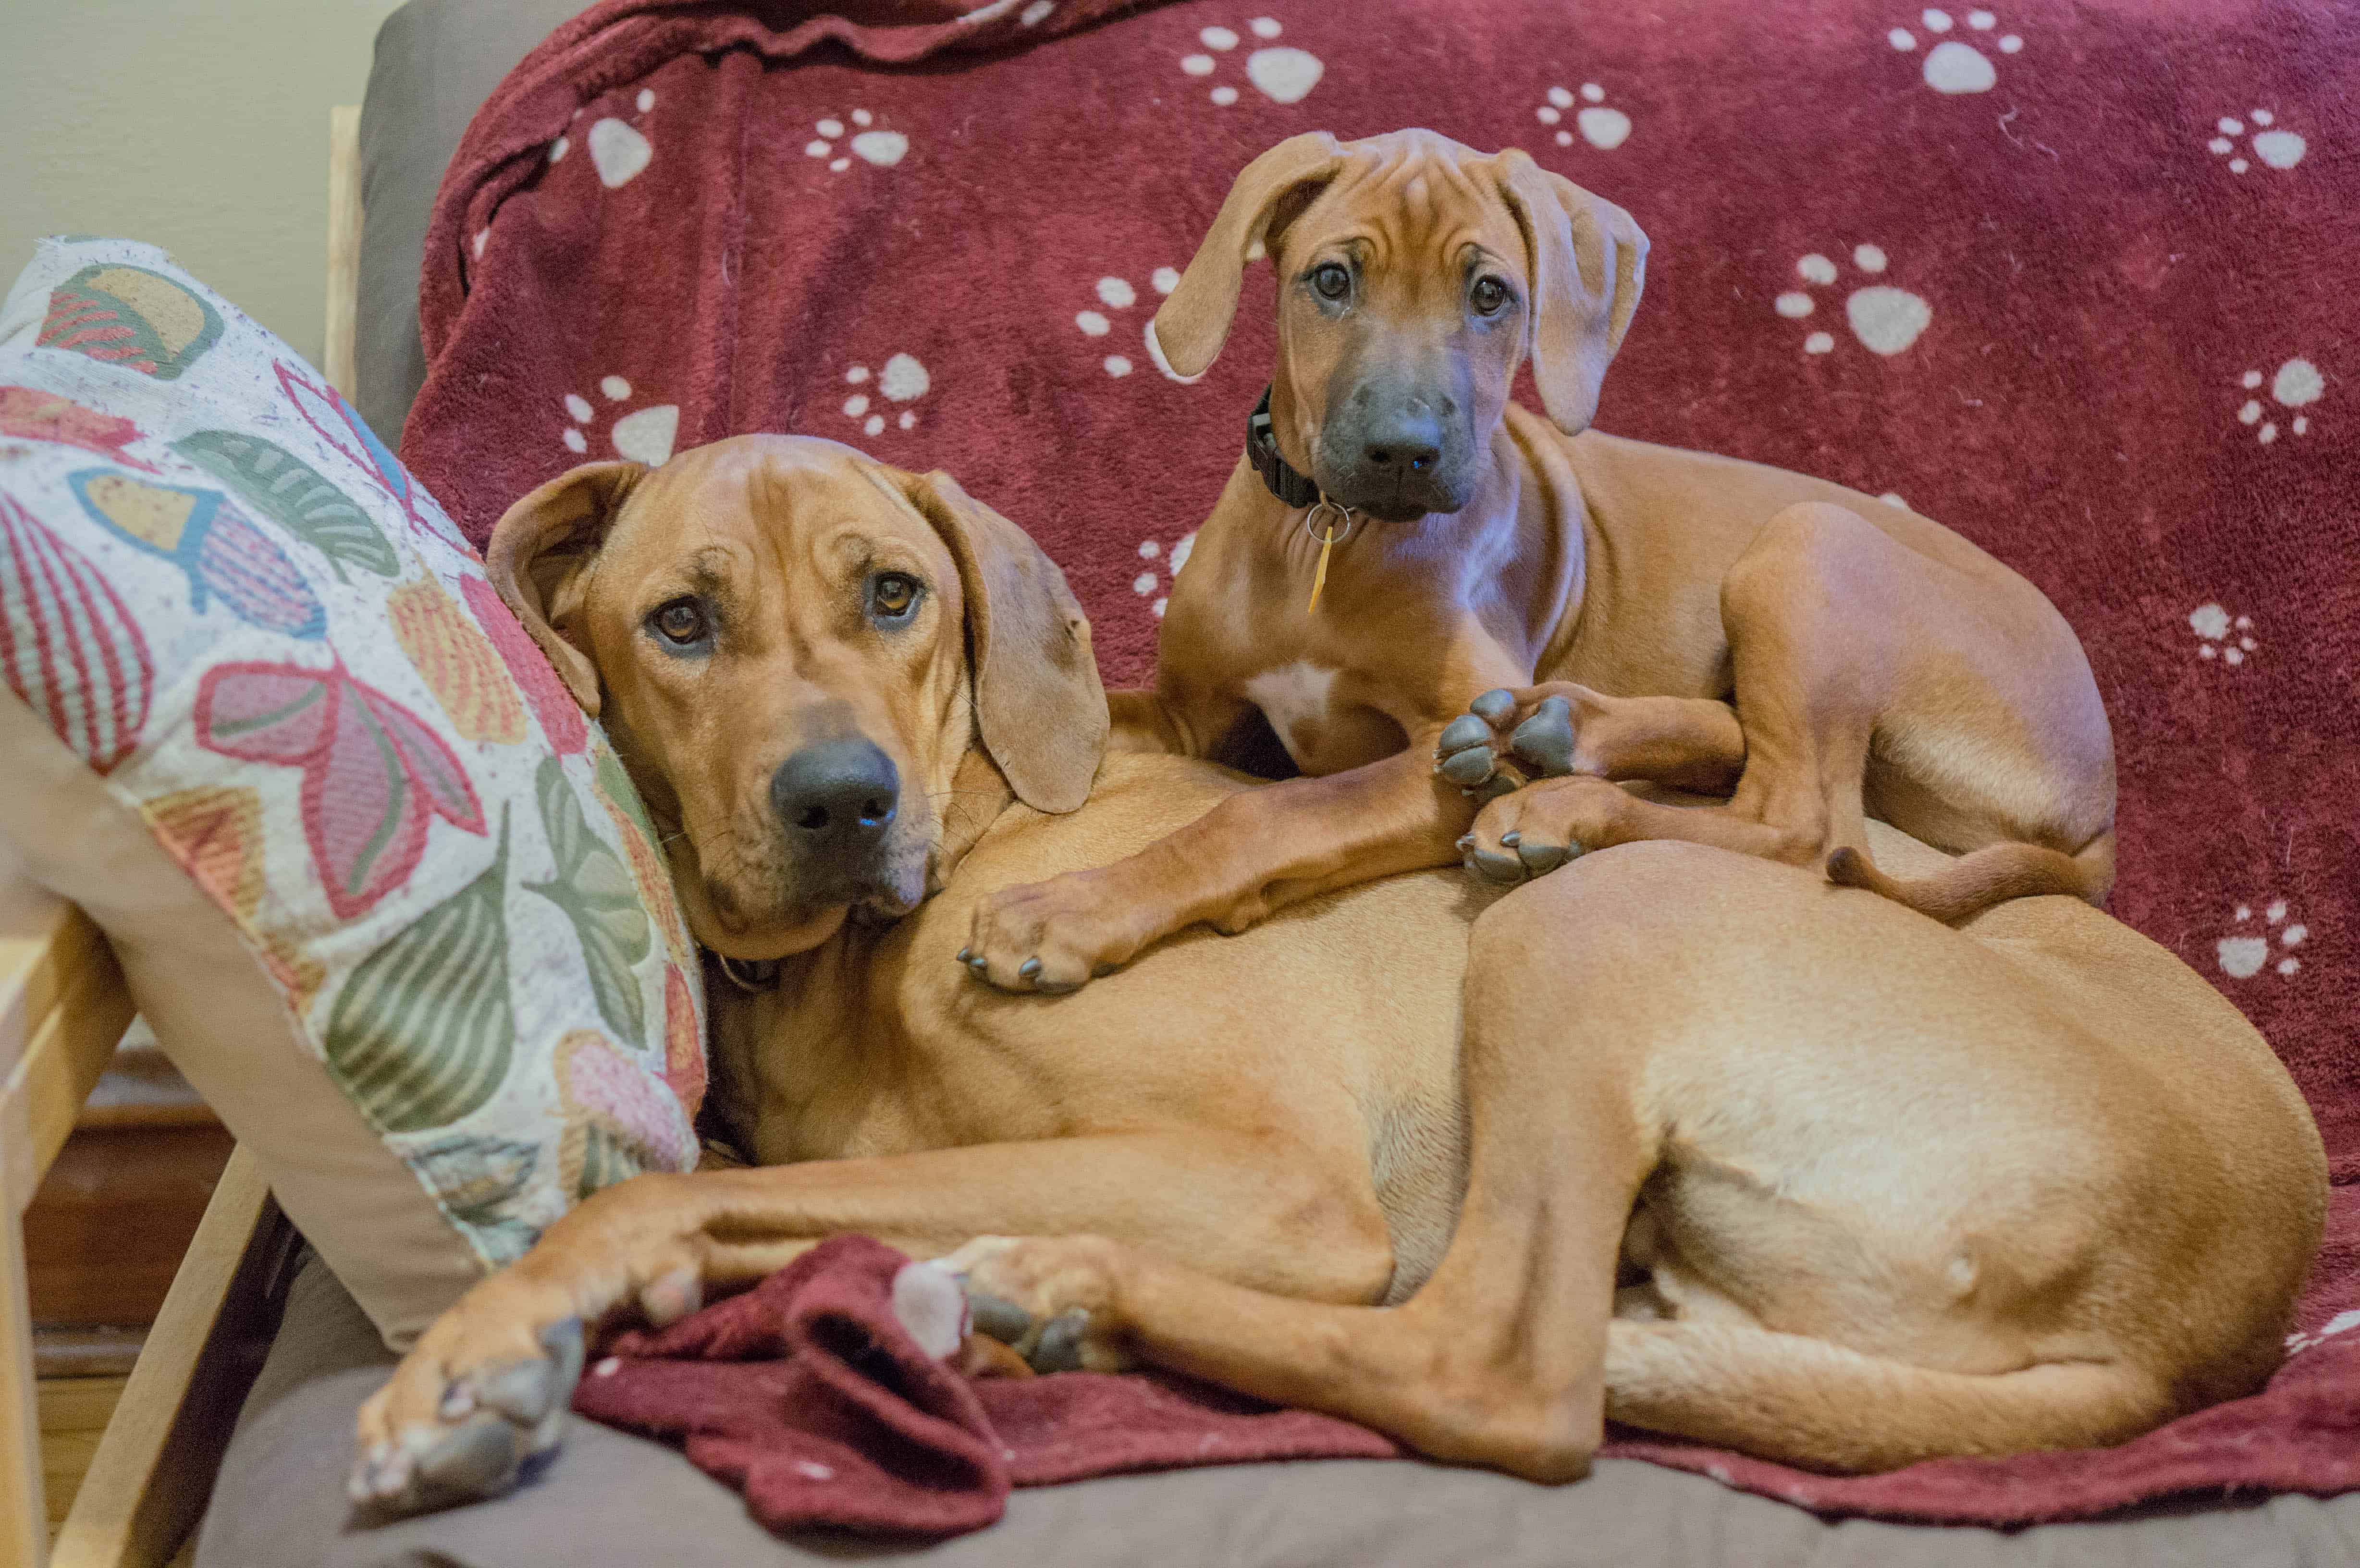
(1506, 739)
(1052, 1300)
(1533, 832)
(1053, 936)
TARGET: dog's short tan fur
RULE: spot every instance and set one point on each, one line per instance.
(1713, 624)
(1874, 1189)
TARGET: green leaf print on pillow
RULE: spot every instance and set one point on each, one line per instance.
(421, 1034)
(295, 495)
(597, 893)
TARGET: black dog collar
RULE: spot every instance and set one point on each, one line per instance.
(1291, 486)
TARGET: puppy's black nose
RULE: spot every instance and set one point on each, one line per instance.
(1404, 440)
(835, 797)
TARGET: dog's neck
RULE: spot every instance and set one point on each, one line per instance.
(810, 1025)
(1485, 547)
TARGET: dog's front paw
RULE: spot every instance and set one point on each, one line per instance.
(1053, 936)
(1533, 832)
(1053, 1299)
(485, 1390)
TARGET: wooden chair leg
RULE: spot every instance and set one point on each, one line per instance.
(24, 1512)
(154, 1469)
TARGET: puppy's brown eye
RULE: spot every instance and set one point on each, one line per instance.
(1331, 280)
(1489, 296)
(892, 595)
(680, 622)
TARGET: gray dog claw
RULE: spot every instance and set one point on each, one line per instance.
(1494, 706)
(1545, 740)
(1060, 1349)
(1030, 969)
(997, 1317)
(962, 956)
(477, 1460)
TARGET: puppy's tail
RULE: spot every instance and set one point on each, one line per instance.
(1821, 1406)
(1977, 881)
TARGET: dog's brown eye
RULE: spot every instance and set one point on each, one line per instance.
(1331, 280)
(680, 622)
(1489, 294)
(892, 595)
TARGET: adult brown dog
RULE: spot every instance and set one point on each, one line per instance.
(1876, 1189)
(1692, 621)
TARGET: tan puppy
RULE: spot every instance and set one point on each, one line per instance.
(1877, 1189)
(1656, 596)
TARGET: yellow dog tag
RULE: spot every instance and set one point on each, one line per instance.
(1326, 532)
(1319, 577)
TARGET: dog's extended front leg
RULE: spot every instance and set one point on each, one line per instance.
(488, 1385)
(1257, 852)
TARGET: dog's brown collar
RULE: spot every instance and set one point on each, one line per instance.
(1290, 485)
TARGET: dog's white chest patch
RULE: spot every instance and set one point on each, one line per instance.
(1294, 698)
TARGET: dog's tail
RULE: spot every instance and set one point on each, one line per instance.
(1821, 1406)
(1977, 881)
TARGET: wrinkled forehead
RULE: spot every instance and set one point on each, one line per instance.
(781, 506)
(1414, 208)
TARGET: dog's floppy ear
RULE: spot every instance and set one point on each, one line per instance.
(1588, 262)
(1191, 325)
(541, 550)
(1039, 706)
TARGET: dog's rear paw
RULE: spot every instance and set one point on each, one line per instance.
(1048, 1298)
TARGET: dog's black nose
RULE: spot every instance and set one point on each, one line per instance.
(835, 796)
(1405, 441)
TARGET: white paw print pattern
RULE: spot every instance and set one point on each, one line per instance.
(1117, 294)
(1601, 127)
(1953, 65)
(1147, 581)
(2219, 636)
(883, 148)
(901, 380)
(2297, 384)
(2245, 955)
(1281, 73)
(620, 151)
(2277, 148)
(2340, 1323)
(1884, 319)
(644, 435)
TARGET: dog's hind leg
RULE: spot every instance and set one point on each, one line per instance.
(1498, 1359)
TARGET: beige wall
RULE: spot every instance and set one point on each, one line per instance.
(198, 124)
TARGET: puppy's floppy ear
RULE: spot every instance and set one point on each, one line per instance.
(1190, 326)
(541, 552)
(1588, 262)
(1039, 705)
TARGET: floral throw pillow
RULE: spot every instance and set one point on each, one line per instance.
(236, 610)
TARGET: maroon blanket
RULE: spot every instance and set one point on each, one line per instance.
(808, 1394)
(2074, 279)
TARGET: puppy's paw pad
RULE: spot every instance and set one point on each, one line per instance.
(1545, 739)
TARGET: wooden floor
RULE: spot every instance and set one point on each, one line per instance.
(73, 1413)
(74, 1410)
